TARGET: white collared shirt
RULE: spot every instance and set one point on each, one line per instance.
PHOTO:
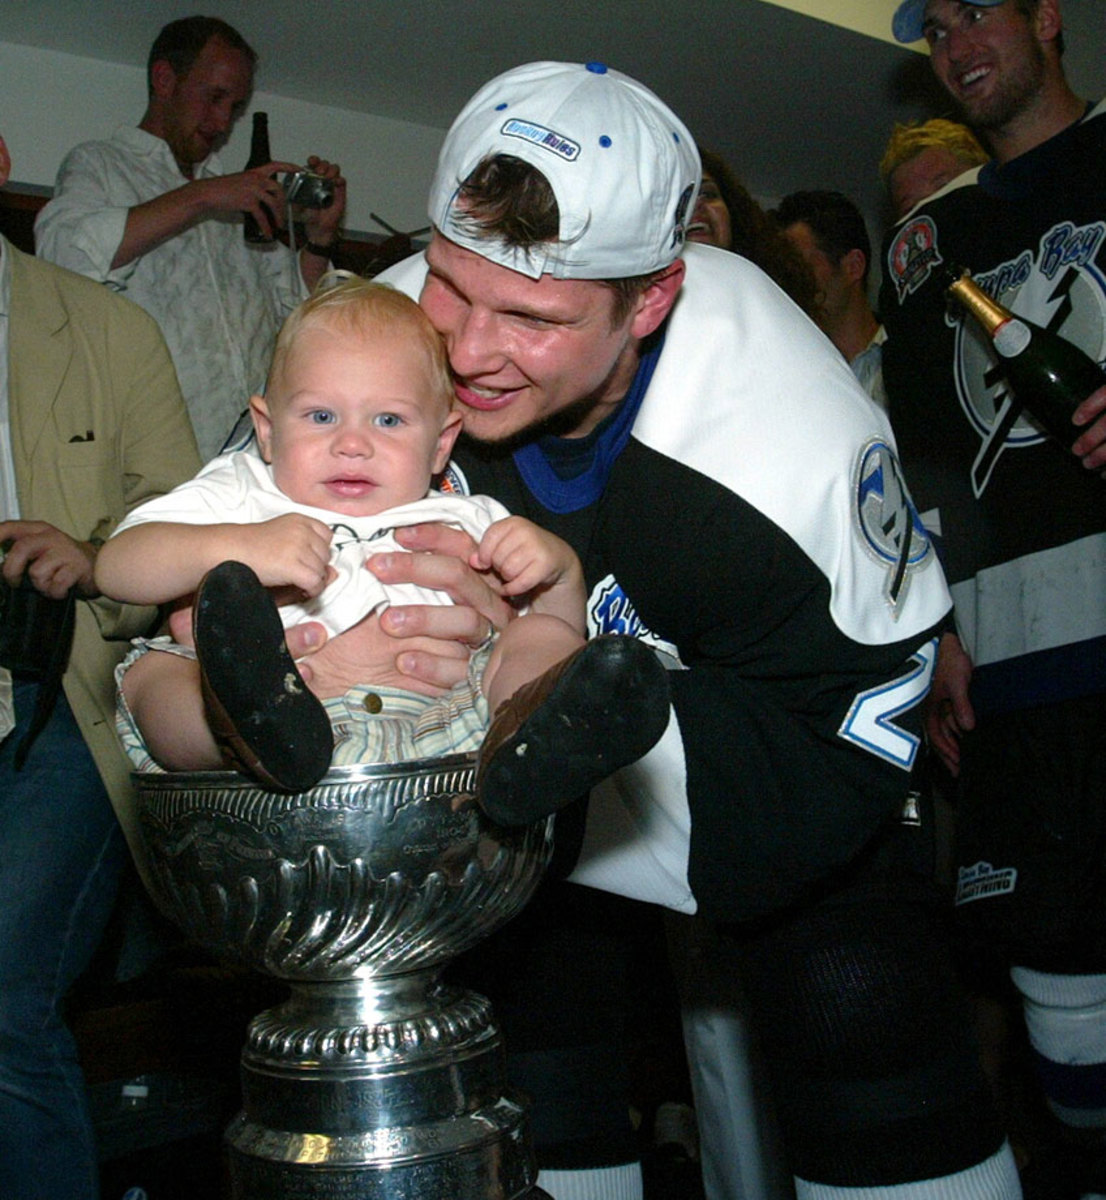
(219, 302)
(868, 368)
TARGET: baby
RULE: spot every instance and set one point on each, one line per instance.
(355, 422)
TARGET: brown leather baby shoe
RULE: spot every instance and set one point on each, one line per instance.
(267, 723)
(594, 712)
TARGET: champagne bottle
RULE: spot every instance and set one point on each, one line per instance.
(259, 155)
(1049, 375)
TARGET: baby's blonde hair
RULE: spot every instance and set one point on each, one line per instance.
(350, 302)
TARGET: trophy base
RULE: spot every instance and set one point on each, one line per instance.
(487, 1175)
(378, 1090)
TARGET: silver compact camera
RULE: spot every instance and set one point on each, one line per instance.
(308, 190)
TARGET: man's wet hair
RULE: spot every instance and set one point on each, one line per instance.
(506, 199)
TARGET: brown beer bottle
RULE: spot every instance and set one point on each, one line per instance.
(1049, 375)
(259, 155)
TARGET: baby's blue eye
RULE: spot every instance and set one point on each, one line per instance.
(321, 416)
(389, 420)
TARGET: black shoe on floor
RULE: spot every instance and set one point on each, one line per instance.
(266, 721)
(596, 711)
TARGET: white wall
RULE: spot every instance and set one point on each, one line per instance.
(49, 102)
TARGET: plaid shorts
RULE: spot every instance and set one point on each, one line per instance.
(371, 724)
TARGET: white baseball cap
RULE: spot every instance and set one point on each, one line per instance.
(908, 24)
(622, 166)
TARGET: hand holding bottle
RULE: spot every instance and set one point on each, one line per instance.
(257, 191)
(1090, 446)
(1058, 384)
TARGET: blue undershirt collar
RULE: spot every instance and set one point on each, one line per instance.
(567, 474)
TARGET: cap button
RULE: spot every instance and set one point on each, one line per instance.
(597, 68)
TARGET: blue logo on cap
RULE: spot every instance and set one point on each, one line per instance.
(538, 135)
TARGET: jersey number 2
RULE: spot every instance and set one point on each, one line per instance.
(870, 721)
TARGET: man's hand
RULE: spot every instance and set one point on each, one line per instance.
(1091, 443)
(948, 711)
(427, 647)
(368, 654)
(53, 561)
(440, 560)
(155, 221)
(322, 224)
(257, 191)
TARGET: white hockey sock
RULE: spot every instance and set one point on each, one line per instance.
(599, 1183)
(1065, 1016)
(994, 1179)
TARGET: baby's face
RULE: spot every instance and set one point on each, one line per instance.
(354, 424)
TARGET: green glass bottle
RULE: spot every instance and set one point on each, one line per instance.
(1049, 375)
(259, 155)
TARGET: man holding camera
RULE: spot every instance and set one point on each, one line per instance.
(151, 214)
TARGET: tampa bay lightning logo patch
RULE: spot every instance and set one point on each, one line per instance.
(611, 611)
(982, 881)
(888, 523)
(1059, 287)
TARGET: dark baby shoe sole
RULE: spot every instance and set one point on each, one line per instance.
(266, 721)
(566, 731)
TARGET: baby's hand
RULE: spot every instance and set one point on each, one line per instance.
(526, 557)
(291, 550)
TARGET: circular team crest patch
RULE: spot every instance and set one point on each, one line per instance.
(913, 255)
(888, 523)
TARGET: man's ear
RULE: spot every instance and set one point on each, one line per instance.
(1048, 21)
(262, 426)
(163, 79)
(655, 303)
(855, 262)
(446, 439)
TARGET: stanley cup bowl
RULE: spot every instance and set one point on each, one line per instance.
(374, 1078)
(375, 871)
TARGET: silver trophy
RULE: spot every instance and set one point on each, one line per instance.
(373, 1079)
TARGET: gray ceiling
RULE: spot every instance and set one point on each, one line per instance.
(788, 100)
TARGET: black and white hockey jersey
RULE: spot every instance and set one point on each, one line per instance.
(755, 527)
(1022, 524)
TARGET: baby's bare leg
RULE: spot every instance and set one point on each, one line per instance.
(163, 692)
(528, 647)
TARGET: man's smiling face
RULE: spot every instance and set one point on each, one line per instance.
(522, 350)
(988, 59)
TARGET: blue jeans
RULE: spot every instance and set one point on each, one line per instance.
(61, 852)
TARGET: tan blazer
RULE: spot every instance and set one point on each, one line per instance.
(98, 425)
